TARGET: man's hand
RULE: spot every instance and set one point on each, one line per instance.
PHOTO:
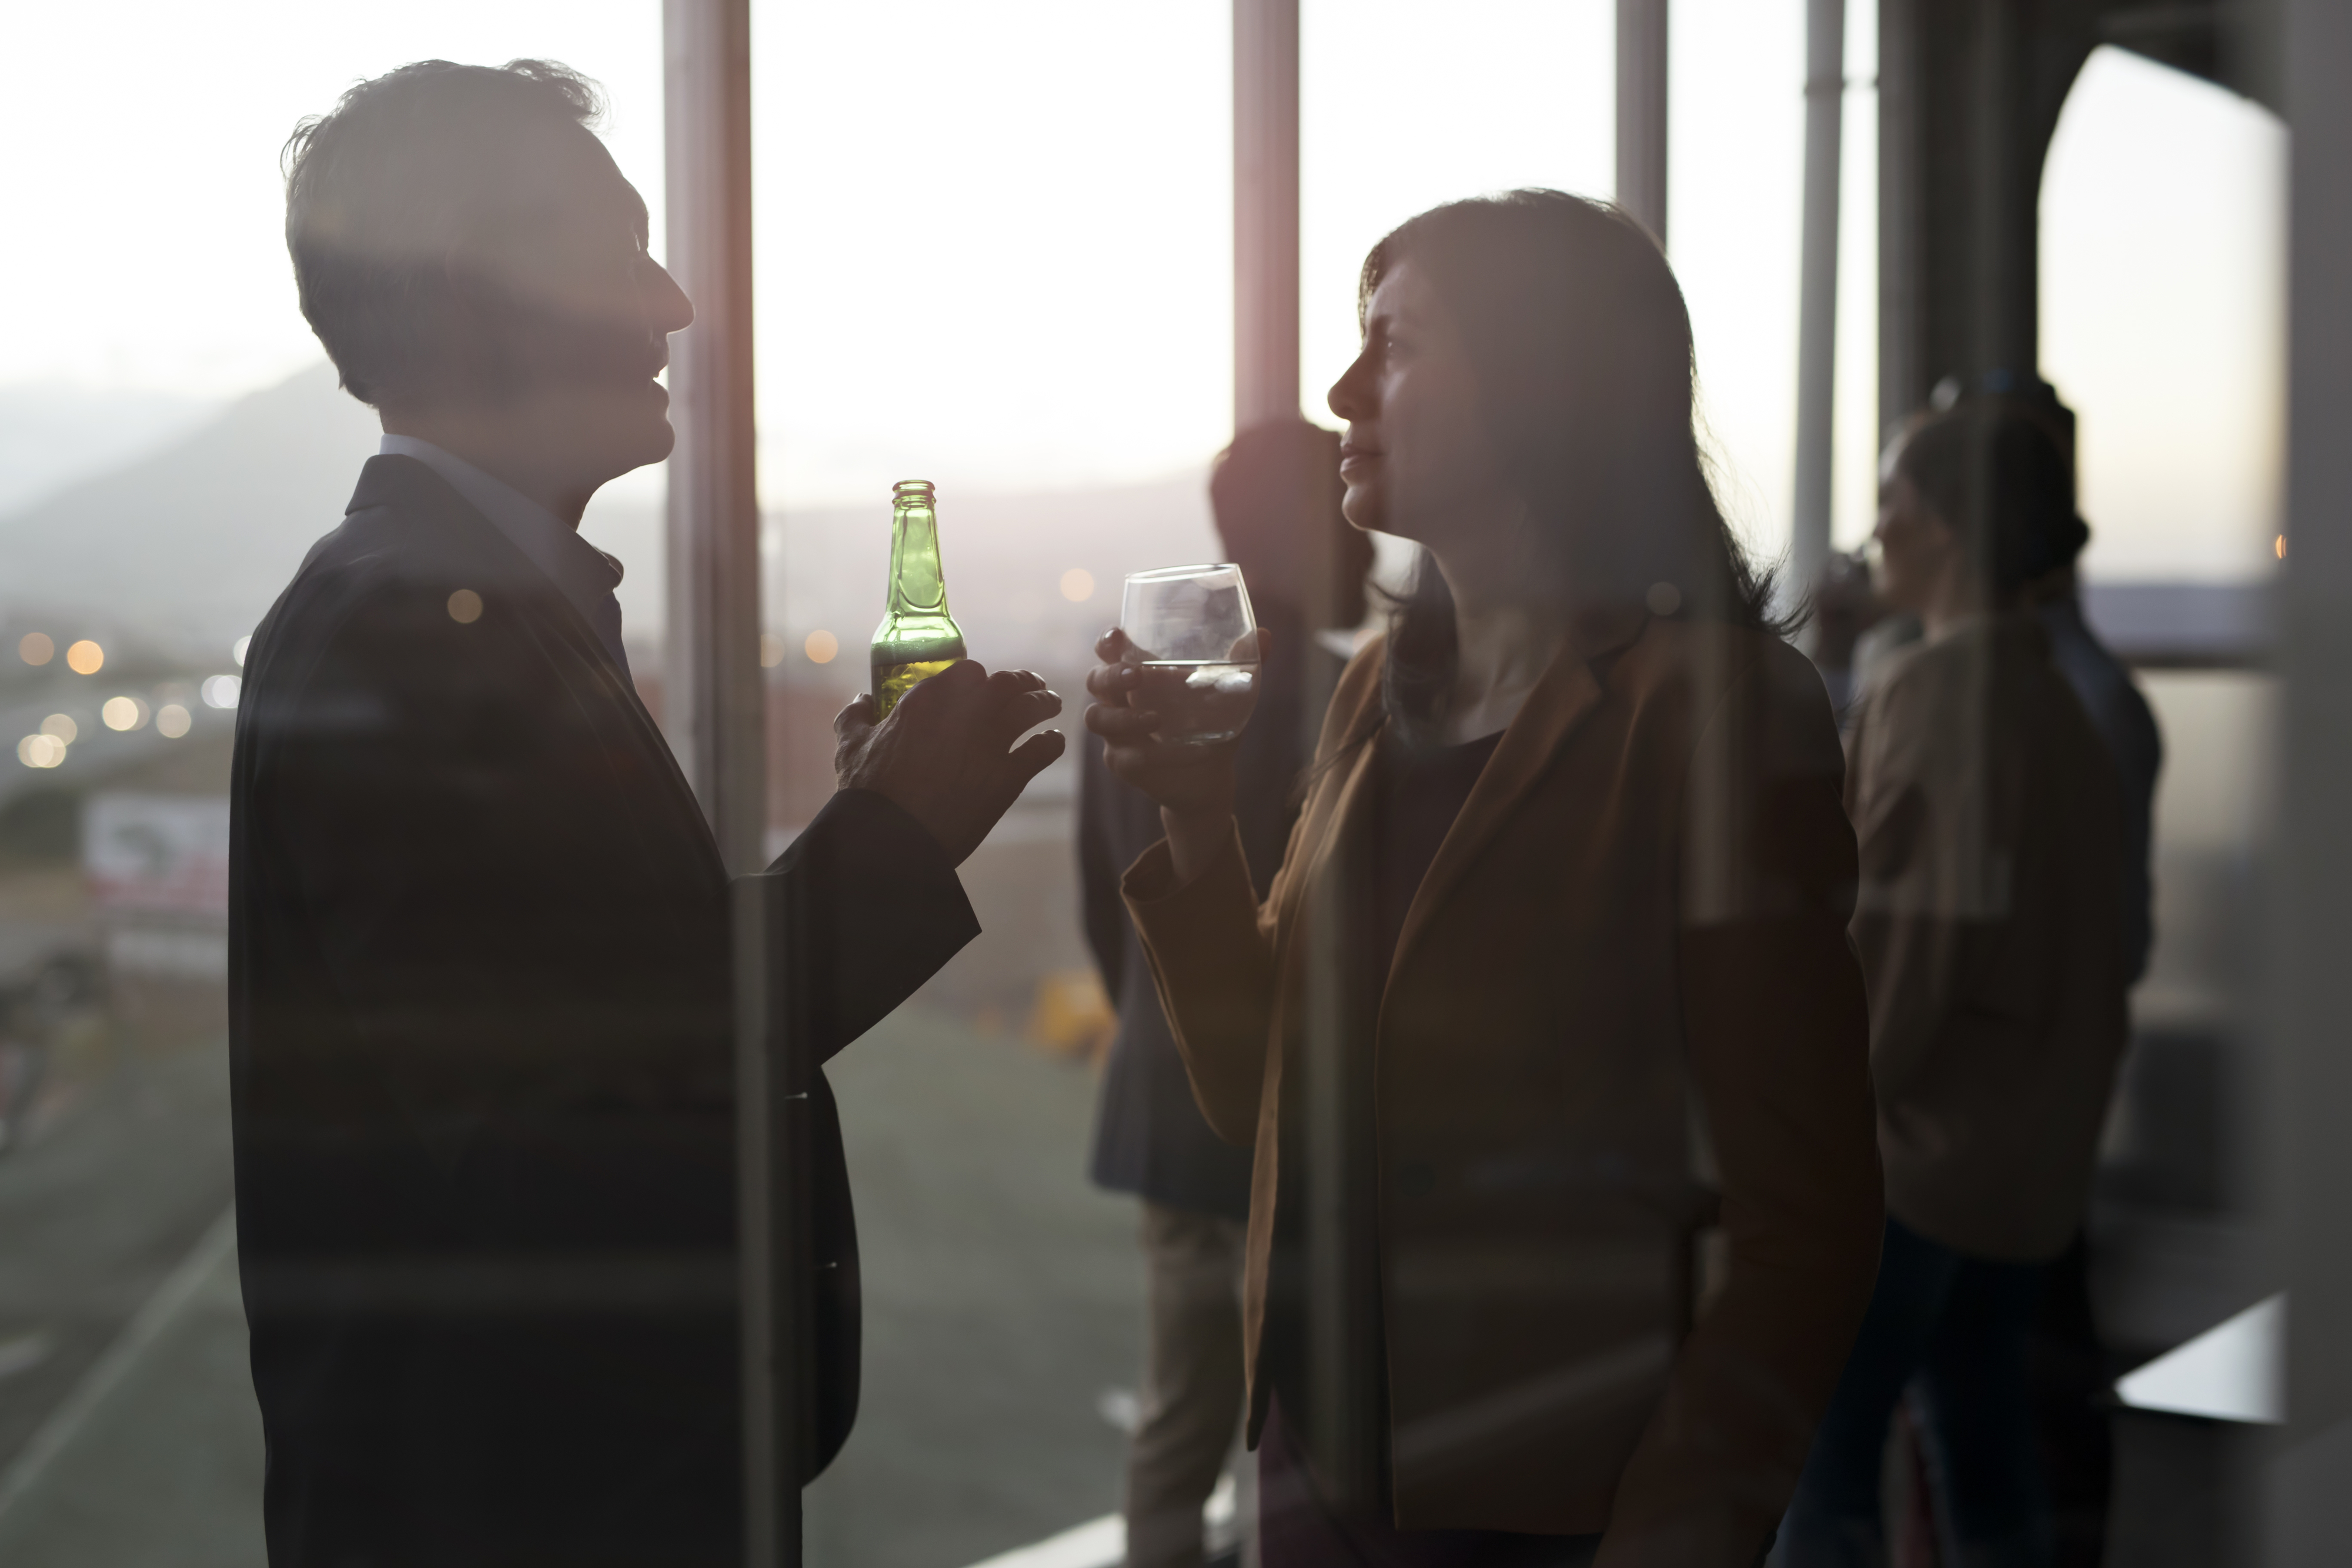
(945, 755)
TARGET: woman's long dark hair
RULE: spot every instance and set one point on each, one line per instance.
(1582, 347)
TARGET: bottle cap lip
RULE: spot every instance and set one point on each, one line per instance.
(912, 490)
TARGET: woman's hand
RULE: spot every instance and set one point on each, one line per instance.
(1192, 782)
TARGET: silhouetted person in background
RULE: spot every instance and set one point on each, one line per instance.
(479, 977)
(1276, 493)
(2126, 727)
(1553, 991)
(1990, 927)
(2071, 1379)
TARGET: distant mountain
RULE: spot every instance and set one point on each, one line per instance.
(53, 434)
(191, 544)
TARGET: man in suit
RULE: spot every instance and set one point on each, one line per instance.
(479, 990)
(1276, 495)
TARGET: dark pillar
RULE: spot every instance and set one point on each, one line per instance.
(1817, 294)
(1641, 113)
(2311, 1475)
(714, 710)
(1970, 93)
(1265, 211)
(712, 699)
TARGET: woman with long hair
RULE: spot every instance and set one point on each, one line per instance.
(1548, 1037)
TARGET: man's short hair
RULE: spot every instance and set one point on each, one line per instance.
(380, 188)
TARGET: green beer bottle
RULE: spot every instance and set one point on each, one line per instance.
(918, 637)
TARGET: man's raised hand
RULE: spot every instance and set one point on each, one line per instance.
(945, 755)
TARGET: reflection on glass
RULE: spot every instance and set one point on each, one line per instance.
(1497, 1257)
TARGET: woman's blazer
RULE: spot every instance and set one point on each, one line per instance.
(1623, 1008)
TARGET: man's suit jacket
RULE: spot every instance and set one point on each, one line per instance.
(480, 1033)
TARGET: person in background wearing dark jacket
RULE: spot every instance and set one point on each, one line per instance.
(2127, 728)
(2071, 1380)
(479, 1003)
(1276, 493)
(1988, 924)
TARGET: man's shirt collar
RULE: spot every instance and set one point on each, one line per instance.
(586, 574)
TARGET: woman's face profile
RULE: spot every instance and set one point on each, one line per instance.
(1914, 545)
(1418, 459)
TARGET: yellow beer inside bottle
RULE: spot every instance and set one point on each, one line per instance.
(918, 637)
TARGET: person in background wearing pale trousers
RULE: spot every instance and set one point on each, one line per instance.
(1991, 935)
(1276, 495)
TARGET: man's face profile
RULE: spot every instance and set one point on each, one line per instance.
(556, 302)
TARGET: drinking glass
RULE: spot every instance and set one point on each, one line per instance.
(1190, 631)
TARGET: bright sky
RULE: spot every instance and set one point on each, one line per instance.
(2164, 313)
(995, 242)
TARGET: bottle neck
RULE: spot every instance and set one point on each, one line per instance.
(918, 584)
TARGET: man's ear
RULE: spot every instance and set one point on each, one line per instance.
(476, 290)
(478, 333)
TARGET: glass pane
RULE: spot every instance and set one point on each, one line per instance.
(1546, 1049)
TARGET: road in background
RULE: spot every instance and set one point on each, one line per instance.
(1002, 1296)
